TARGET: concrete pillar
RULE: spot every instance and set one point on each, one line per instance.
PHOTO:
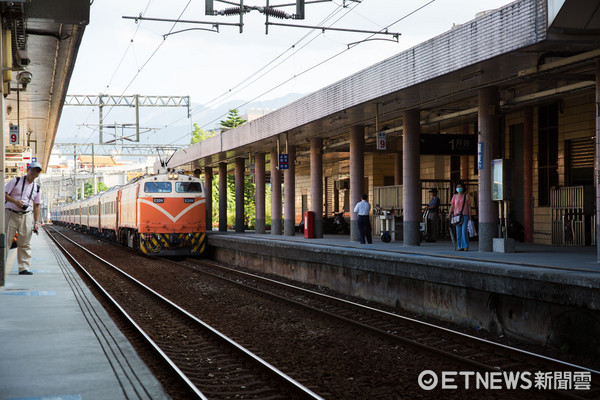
(316, 184)
(412, 177)
(222, 197)
(488, 137)
(239, 194)
(357, 175)
(208, 193)
(259, 180)
(289, 184)
(597, 163)
(398, 168)
(528, 174)
(275, 194)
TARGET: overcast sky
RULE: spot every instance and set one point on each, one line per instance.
(119, 56)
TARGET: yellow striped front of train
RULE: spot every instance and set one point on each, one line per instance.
(172, 226)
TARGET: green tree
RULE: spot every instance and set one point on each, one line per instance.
(199, 134)
(89, 188)
(233, 119)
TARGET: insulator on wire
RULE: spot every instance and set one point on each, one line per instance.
(276, 13)
(231, 11)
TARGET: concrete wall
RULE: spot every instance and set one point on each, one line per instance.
(541, 306)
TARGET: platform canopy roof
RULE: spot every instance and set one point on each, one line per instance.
(44, 40)
(531, 50)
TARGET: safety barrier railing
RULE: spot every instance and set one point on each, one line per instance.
(572, 218)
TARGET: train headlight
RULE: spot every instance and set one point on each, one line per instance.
(173, 176)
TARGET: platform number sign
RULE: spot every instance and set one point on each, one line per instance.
(284, 161)
(14, 134)
(381, 141)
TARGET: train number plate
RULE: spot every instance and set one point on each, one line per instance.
(188, 200)
(158, 200)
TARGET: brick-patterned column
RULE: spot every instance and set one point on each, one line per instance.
(357, 174)
(275, 194)
(223, 197)
(316, 185)
(259, 196)
(411, 177)
(488, 137)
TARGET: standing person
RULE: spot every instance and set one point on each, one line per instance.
(432, 217)
(364, 224)
(461, 205)
(22, 213)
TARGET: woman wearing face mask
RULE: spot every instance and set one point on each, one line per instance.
(461, 202)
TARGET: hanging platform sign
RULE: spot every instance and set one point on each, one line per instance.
(284, 161)
(456, 145)
(14, 134)
(381, 141)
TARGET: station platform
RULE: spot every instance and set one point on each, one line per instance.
(566, 258)
(57, 342)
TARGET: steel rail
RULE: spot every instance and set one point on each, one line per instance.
(293, 384)
(492, 345)
(401, 317)
(139, 330)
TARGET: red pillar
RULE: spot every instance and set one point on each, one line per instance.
(357, 174)
(239, 194)
(316, 185)
(259, 196)
(223, 197)
(275, 194)
(411, 177)
(208, 193)
(488, 137)
(289, 185)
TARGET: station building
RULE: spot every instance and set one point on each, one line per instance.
(512, 91)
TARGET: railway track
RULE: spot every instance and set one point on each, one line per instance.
(475, 353)
(270, 301)
(210, 365)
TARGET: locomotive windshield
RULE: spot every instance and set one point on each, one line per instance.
(157, 187)
(188, 187)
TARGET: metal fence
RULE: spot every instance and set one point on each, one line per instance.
(573, 221)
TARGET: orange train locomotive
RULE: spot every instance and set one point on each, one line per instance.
(163, 214)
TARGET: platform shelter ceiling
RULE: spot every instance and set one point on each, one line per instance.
(51, 32)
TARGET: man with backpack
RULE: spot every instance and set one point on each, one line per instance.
(22, 213)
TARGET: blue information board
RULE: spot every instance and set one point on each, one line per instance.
(284, 161)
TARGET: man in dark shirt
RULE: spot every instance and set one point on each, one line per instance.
(432, 217)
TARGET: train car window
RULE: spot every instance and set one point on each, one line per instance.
(188, 187)
(157, 187)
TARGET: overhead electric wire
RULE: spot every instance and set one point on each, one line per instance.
(315, 66)
(148, 60)
(231, 90)
(130, 46)
(230, 93)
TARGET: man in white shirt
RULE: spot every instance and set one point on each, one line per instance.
(364, 223)
(22, 213)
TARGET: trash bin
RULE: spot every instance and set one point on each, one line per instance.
(309, 218)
